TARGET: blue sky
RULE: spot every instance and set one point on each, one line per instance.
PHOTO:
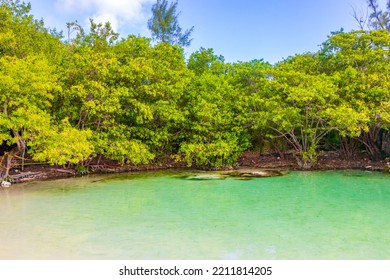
(240, 30)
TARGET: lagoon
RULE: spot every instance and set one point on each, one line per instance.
(171, 215)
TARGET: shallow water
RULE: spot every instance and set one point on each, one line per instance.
(302, 215)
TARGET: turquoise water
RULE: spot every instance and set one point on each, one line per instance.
(302, 215)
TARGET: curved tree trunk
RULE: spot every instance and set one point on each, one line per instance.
(370, 140)
(8, 157)
(349, 147)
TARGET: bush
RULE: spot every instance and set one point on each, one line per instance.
(211, 155)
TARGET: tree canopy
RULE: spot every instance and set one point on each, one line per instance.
(95, 96)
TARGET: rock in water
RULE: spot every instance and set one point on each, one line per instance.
(5, 184)
(256, 173)
(207, 176)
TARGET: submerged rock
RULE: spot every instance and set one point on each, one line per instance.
(240, 174)
(207, 176)
(256, 173)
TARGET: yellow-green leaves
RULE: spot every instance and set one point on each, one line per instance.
(215, 154)
(25, 82)
(26, 87)
(359, 64)
(63, 145)
(297, 106)
(134, 102)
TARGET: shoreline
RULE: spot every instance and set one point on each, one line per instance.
(328, 161)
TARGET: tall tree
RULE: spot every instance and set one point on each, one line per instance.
(379, 19)
(296, 106)
(164, 24)
(359, 65)
(375, 17)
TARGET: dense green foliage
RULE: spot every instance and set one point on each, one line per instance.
(127, 100)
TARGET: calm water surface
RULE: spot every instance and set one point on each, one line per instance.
(303, 215)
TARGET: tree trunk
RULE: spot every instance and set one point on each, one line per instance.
(371, 143)
(385, 142)
(349, 147)
(20, 147)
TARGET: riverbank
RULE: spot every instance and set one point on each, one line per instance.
(327, 161)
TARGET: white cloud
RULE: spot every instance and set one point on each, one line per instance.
(118, 12)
